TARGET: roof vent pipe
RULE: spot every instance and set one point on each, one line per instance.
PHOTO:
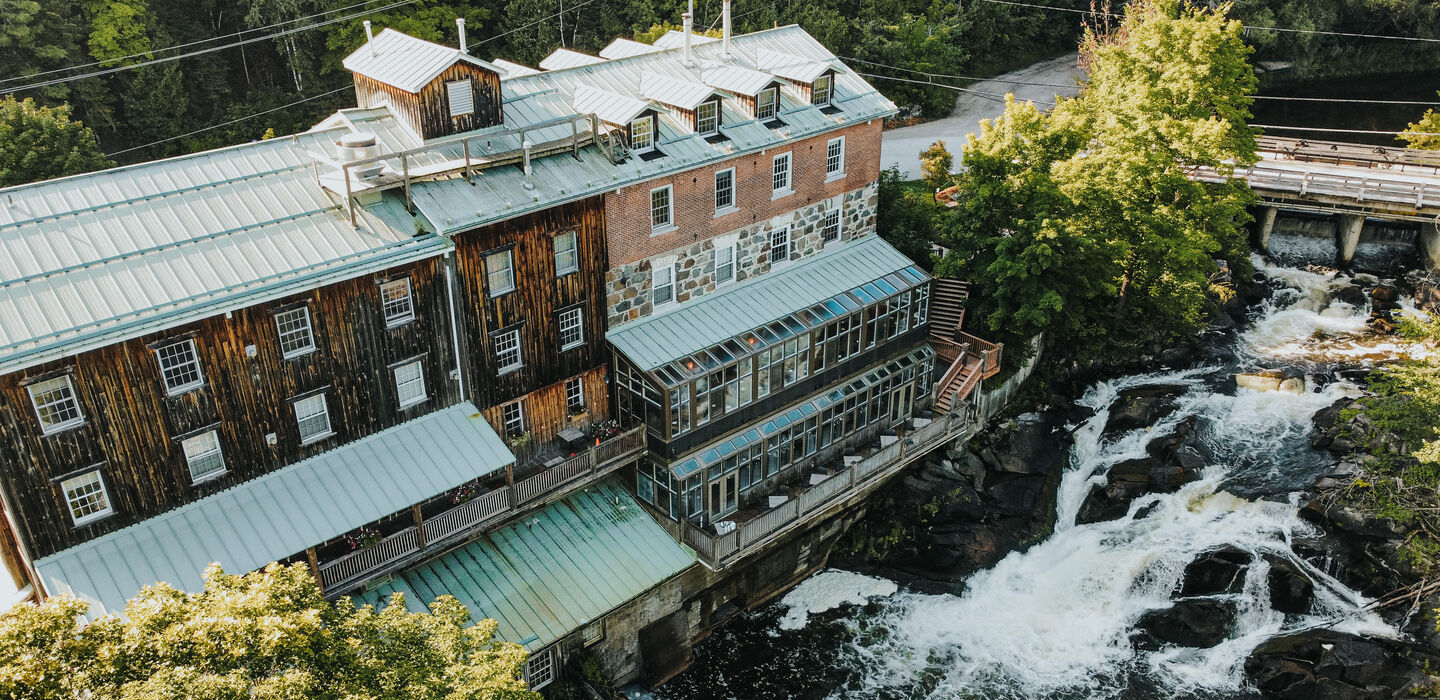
(725, 30)
(460, 24)
(529, 173)
(369, 36)
(689, 22)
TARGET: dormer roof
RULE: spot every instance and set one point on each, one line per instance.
(676, 92)
(675, 39)
(565, 58)
(789, 66)
(511, 69)
(610, 107)
(402, 61)
(625, 48)
(741, 81)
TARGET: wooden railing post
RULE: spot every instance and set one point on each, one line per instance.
(419, 526)
(314, 560)
(510, 483)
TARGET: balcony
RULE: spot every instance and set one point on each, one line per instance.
(844, 486)
(477, 512)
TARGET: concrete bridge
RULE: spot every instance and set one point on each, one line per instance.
(1357, 193)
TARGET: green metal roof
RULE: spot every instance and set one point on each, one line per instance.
(286, 511)
(550, 573)
(714, 318)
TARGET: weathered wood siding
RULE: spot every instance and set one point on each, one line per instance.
(428, 111)
(132, 425)
(535, 303)
(546, 412)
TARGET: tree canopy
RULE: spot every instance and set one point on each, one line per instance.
(267, 635)
(39, 143)
(1425, 132)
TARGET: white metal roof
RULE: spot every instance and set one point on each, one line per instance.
(511, 69)
(685, 94)
(609, 106)
(789, 66)
(624, 48)
(402, 61)
(565, 58)
(675, 39)
(732, 78)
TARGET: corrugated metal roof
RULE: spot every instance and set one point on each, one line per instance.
(701, 323)
(609, 106)
(624, 48)
(284, 512)
(741, 81)
(403, 61)
(565, 58)
(685, 94)
(91, 259)
(675, 39)
(790, 66)
(511, 69)
(553, 572)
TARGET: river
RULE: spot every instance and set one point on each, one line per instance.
(1058, 620)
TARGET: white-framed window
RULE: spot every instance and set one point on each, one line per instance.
(567, 255)
(765, 103)
(86, 497)
(180, 367)
(396, 303)
(835, 157)
(540, 669)
(830, 229)
(574, 393)
(500, 272)
(593, 632)
(662, 214)
(707, 118)
(202, 454)
(462, 98)
(410, 384)
(55, 404)
(312, 416)
(780, 174)
(508, 357)
(820, 91)
(642, 134)
(572, 328)
(296, 338)
(725, 190)
(724, 264)
(513, 417)
(663, 290)
(780, 245)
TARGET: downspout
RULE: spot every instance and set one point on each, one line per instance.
(454, 324)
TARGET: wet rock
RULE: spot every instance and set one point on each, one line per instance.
(1291, 590)
(1325, 665)
(1353, 295)
(1216, 572)
(1327, 423)
(1142, 407)
(1346, 519)
(1196, 622)
(1385, 292)
(1266, 380)
(1293, 385)
(1191, 457)
(1166, 446)
(1016, 495)
(1031, 448)
(1221, 322)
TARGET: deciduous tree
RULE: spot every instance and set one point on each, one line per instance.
(39, 143)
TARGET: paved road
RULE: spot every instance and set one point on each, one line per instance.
(902, 146)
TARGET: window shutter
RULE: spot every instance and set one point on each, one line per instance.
(462, 98)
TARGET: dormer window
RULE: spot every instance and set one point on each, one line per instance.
(765, 103)
(707, 118)
(642, 135)
(820, 91)
(462, 98)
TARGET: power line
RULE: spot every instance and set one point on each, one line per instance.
(1247, 26)
(1281, 127)
(199, 52)
(986, 95)
(232, 121)
(531, 24)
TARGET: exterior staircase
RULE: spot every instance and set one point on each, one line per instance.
(968, 360)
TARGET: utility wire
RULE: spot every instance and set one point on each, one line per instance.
(1279, 127)
(1247, 26)
(530, 24)
(232, 121)
(986, 95)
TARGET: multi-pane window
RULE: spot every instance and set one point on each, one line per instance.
(202, 454)
(780, 245)
(508, 357)
(820, 90)
(513, 416)
(55, 404)
(180, 366)
(835, 156)
(724, 264)
(780, 180)
(396, 303)
(410, 384)
(462, 98)
(642, 136)
(86, 497)
(500, 272)
(765, 103)
(312, 416)
(575, 394)
(707, 118)
(572, 328)
(725, 189)
(540, 669)
(830, 228)
(663, 291)
(661, 215)
(567, 258)
(295, 336)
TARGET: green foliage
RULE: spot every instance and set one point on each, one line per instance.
(39, 143)
(1425, 132)
(265, 635)
(118, 31)
(935, 164)
(906, 217)
(656, 31)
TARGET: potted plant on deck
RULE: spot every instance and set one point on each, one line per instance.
(363, 538)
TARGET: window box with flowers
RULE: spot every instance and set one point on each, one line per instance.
(604, 430)
(578, 410)
(520, 439)
(464, 493)
(363, 538)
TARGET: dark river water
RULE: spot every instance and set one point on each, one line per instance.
(1419, 87)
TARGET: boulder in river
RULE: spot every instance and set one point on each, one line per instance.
(1191, 622)
(1270, 380)
(1142, 407)
(1321, 664)
(1216, 572)
(1291, 590)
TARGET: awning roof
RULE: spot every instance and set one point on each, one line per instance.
(553, 572)
(284, 512)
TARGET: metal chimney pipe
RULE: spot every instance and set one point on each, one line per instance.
(369, 36)
(725, 30)
(689, 22)
(460, 24)
(529, 173)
